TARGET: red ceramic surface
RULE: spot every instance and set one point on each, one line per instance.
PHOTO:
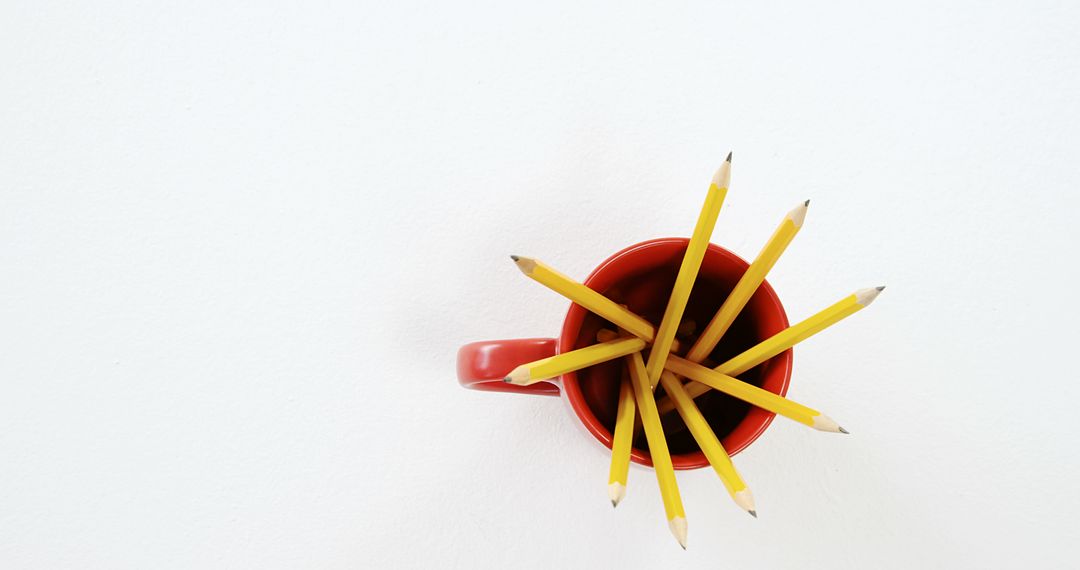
(641, 276)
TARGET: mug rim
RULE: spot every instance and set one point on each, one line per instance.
(757, 418)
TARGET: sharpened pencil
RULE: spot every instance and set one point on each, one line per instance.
(552, 366)
(658, 449)
(709, 443)
(748, 283)
(688, 271)
(621, 440)
(785, 339)
(752, 394)
(586, 297)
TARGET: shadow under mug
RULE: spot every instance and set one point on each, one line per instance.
(641, 277)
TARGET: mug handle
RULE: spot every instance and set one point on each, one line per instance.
(483, 365)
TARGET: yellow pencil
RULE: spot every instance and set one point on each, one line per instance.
(658, 449)
(748, 283)
(582, 295)
(552, 366)
(688, 270)
(621, 440)
(708, 442)
(752, 394)
(786, 339)
(591, 300)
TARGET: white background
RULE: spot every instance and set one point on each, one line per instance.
(240, 245)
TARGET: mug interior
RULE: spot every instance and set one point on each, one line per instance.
(641, 277)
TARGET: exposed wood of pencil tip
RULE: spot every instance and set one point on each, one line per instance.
(678, 528)
(722, 177)
(616, 492)
(519, 376)
(745, 500)
(866, 296)
(825, 423)
(525, 264)
(798, 215)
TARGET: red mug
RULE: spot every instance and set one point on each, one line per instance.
(641, 277)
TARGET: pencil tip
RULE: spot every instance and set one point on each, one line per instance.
(616, 491)
(678, 528)
(842, 430)
(728, 159)
(797, 215)
(507, 379)
(515, 258)
(866, 296)
(745, 500)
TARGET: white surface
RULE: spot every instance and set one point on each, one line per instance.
(240, 246)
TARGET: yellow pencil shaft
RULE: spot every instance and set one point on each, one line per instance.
(703, 433)
(559, 364)
(654, 435)
(743, 391)
(684, 281)
(604, 335)
(593, 301)
(744, 289)
(790, 336)
(624, 430)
